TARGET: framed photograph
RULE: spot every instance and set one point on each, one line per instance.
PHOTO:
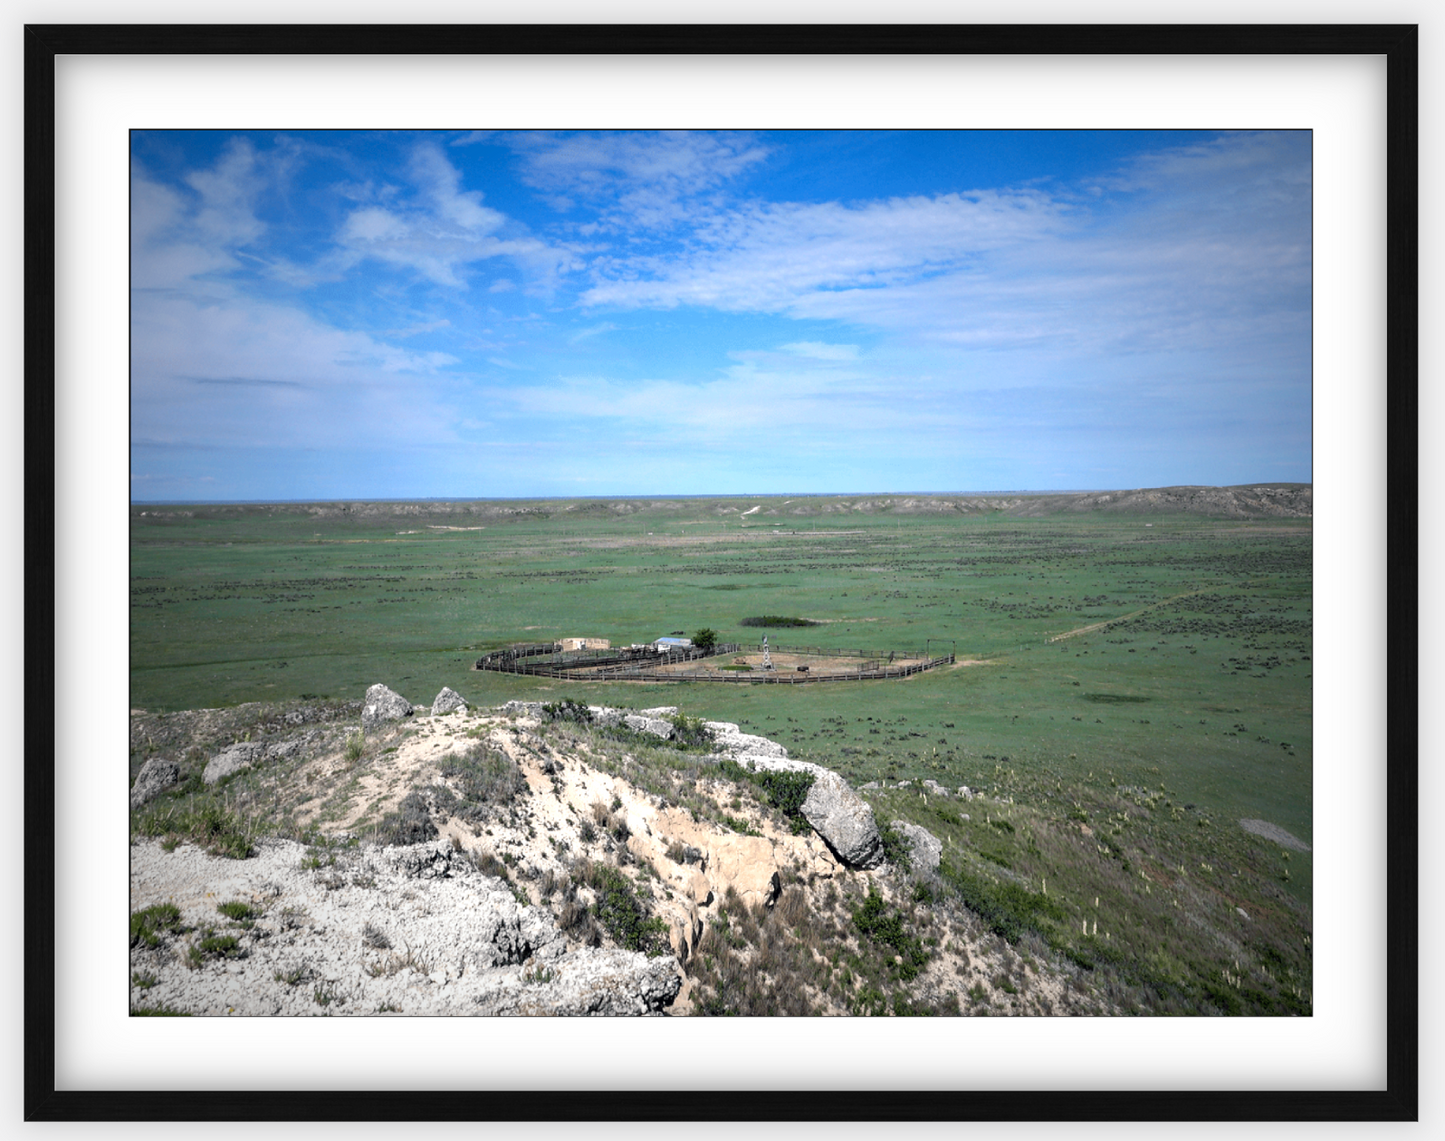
(121, 119)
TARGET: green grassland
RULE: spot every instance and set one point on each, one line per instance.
(1118, 760)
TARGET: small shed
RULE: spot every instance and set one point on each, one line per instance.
(586, 644)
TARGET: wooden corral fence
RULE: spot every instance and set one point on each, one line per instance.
(589, 663)
(867, 671)
(642, 664)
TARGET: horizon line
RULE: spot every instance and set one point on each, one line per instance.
(716, 495)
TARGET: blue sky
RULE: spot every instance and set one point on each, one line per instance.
(328, 315)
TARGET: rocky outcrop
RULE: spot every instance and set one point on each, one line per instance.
(728, 738)
(607, 984)
(642, 723)
(654, 721)
(925, 848)
(239, 756)
(381, 706)
(245, 754)
(155, 776)
(447, 701)
(366, 934)
(844, 820)
(747, 865)
(761, 762)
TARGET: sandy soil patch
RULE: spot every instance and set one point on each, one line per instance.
(1274, 832)
(783, 663)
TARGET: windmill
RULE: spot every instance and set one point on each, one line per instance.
(767, 657)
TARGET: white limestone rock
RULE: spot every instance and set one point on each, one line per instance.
(155, 776)
(925, 848)
(844, 820)
(381, 706)
(447, 701)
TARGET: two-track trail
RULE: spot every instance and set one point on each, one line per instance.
(1126, 617)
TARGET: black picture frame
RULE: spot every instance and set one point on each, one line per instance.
(1397, 43)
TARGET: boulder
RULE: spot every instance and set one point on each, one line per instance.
(281, 750)
(232, 760)
(382, 705)
(925, 847)
(935, 788)
(447, 701)
(844, 820)
(523, 709)
(641, 723)
(155, 776)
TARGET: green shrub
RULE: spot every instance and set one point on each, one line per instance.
(567, 710)
(410, 823)
(160, 1010)
(146, 926)
(1007, 908)
(355, 746)
(242, 912)
(776, 621)
(785, 791)
(484, 777)
(691, 733)
(211, 825)
(705, 639)
(896, 849)
(621, 913)
(221, 946)
(880, 923)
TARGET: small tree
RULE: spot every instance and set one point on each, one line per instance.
(705, 639)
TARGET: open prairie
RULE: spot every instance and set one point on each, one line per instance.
(1134, 684)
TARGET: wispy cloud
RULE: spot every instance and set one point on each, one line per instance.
(442, 229)
(644, 180)
(591, 331)
(1187, 248)
(770, 257)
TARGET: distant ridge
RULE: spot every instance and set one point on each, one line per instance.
(1245, 501)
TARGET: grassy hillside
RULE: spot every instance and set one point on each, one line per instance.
(1136, 683)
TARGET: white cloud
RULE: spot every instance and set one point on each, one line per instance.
(213, 366)
(1188, 249)
(591, 331)
(418, 329)
(637, 179)
(769, 257)
(441, 230)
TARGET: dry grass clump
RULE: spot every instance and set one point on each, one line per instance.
(761, 961)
